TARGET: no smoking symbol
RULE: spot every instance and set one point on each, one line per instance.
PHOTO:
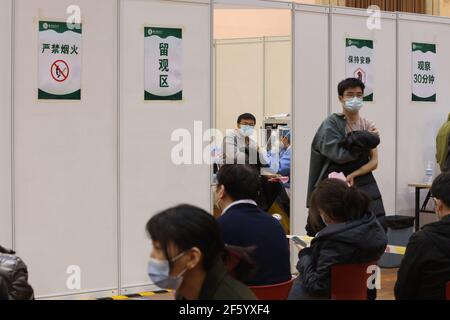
(60, 71)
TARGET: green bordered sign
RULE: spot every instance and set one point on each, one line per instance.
(163, 64)
(59, 55)
(423, 72)
(359, 62)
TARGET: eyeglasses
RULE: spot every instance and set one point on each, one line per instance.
(351, 96)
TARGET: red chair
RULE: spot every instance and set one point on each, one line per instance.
(447, 294)
(349, 281)
(278, 291)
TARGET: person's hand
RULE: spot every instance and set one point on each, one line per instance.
(350, 179)
(374, 130)
(273, 176)
(299, 247)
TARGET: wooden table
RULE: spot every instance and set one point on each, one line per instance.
(418, 208)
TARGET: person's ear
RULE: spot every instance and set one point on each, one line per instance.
(220, 191)
(326, 217)
(341, 99)
(195, 257)
(439, 207)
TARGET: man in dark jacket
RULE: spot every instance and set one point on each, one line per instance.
(243, 224)
(425, 269)
(14, 275)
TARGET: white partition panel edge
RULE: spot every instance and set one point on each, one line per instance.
(65, 158)
(149, 180)
(418, 122)
(310, 106)
(352, 23)
(6, 217)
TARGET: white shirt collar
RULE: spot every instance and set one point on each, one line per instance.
(248, 201)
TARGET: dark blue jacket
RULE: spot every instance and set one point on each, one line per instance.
(246, 225)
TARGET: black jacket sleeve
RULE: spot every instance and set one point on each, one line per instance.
(3, 289)
(409, 273)
(315, 275)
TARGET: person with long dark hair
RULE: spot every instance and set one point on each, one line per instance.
(189, 256)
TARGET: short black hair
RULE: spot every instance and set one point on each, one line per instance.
(350, 83)
(440, 189)
(186, 227)
(246, 116)
(240, 181)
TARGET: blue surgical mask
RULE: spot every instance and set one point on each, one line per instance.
(354, 105)
(247, 130)
(159, 273)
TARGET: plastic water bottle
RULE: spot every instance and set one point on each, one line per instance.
(429, 173)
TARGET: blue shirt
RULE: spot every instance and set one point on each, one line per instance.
(282, 164)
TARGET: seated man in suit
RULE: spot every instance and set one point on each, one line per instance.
(243, 224)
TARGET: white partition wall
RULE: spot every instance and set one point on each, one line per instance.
(5, 125)
(149, 181)
(65, 157)
(252, 75)
(239, 80)
(80, 179)
(418, 122)
(310, 99)
(352, 23)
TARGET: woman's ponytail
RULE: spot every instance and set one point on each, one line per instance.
(355, 203)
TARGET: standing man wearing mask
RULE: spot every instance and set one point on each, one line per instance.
(330, 149)
(238, 145)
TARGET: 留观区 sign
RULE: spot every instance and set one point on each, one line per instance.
(163, 64)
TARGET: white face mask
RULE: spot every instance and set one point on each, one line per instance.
(354, 104)
(247, 130)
